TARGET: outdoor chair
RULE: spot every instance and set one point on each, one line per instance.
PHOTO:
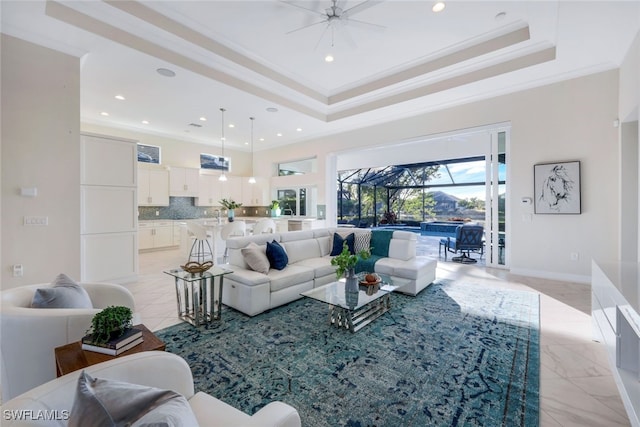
(468, 239)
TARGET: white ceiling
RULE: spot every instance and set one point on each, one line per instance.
(238, 55)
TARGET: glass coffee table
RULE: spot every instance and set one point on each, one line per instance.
(354, 309)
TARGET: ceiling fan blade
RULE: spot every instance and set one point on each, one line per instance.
(360, 7)
(321, 37)
(315, 12)
(344, 35)
(307, 26)
(366, 25)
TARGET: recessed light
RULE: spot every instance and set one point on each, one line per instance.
(328, 58)
(166, 72)
(145, 122)
(246, 143)
(278, 134)
(438, 7)
(261, 139)
(231, 125)
(104, 113)
(272, 109)
(120, 97)
(203, 119)
(299, 130)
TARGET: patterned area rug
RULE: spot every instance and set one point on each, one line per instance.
(455, 355)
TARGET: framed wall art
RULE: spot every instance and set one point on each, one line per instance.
(557, 188)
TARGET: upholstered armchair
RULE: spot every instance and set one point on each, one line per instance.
(150, 369)
(469, 238)
(30, 335)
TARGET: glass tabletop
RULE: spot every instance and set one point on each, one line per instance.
(336, 293)
(190, 277)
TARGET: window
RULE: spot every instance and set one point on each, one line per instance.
(209, 161)
(299, 167)
(148, 154)
(297, 201)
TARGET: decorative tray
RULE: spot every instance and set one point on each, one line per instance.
(195, 267)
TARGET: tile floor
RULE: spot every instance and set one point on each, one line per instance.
(576, 385)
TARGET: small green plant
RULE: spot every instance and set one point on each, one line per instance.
(229, 204)
(346, 260)
(111, 319)
(275, 204)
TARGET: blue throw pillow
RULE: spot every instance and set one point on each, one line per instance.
(278, 258)
(338, 242)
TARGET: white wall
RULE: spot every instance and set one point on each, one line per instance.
(179, 153)
(571, 120)
(40, 148)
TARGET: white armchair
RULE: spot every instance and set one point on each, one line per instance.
(30, 335)
(153, 369)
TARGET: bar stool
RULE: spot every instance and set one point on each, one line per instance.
(235, 228)
(265, 225)
(201, 248)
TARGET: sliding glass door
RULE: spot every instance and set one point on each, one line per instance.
(497, 228)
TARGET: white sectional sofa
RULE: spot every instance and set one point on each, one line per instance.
(309, 266)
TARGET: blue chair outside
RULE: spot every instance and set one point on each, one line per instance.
(468, 238)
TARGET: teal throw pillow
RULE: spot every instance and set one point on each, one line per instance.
(277, 256)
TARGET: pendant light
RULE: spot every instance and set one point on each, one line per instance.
(252, 179)
(222, 177)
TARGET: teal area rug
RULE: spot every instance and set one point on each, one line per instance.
(456, 355)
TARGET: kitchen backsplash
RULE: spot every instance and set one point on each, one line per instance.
(185, 208)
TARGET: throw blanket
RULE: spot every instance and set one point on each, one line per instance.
(380, 240)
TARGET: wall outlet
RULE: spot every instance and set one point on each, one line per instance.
(205, 212)
(18, 270)
(575, 256)
(157, 213)
(266, 212)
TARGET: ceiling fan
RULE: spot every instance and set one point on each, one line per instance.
(336, 18)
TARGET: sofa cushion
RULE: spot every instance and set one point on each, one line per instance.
(277, 255)
(294, 274)
(100, 402)
(299, 250)
(402, 249)
(256, 258)
(321, 266)
(64, 293)
(338, 242)
(415, 267)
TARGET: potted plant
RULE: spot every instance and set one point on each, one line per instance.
(109, 323)
(275, 208)
(346, 262)
(230, 206)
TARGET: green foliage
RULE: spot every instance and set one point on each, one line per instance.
(111, 319)
(229, 204)
(274, 204)
(346, 260)
(471, 203)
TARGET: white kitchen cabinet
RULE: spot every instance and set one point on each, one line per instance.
(153, 187)
(282, 225)
(231, 189)
(208, 191)
(256, 194)
(183, 182)
(155, 235)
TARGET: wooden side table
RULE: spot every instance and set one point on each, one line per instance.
(71, 357)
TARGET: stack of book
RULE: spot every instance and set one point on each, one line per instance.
(115, 345)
